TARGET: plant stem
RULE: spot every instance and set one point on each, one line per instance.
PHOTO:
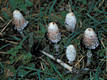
(89, 55)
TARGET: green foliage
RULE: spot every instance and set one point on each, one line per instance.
(20, 4)
(55, 69)
(22, 72)
(101, 53)
(5, 15)
(51, 8)
(26, 58)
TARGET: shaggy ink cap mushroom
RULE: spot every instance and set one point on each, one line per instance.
(19, 20)
(90, 39)
(70, 21)
(53, 33)
(70, 53)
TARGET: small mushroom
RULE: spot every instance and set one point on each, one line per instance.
(70, 22)
(90, 41)
(19, 21)
(70, 53)
(54, 35)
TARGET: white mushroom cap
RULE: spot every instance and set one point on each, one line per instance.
(90, 39)
(53, 32)
(71, 53)
(70, 21)
(52, 27)
(17, 14)
(19, 21)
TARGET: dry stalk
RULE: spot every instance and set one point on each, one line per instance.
(101, 3)
(79, 61)
(2, 52)
(1, 19)
(42, 66)
(58, 61)
(102, 43)
(12, 42)
(106, 59)
(6, 26)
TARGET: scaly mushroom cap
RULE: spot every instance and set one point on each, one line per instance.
(19, 21)
(70, 21)
(90, 39)
(71, 53)
(53, 32)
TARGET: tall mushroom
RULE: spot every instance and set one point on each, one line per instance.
(54, 34)
(19, 21)
(71, 53)
(70, 21)
(90, 41)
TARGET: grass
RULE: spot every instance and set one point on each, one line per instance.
(20, 58)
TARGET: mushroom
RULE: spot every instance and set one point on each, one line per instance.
(70, 53)
(90, 41)
(19, 21)
(54, 35)
(70, 21)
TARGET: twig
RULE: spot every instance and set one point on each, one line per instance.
(80, 24)
(42, 66)
(12, 42)
(100, 4)
(1, 18)
(6, 26)
(102, 43)
(2, 52)
(79, 61)
(58, 61)
(106, 59)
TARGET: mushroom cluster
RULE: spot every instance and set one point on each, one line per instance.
(90, 39)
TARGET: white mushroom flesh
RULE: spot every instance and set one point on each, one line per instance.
(70, 21)
(71, 53)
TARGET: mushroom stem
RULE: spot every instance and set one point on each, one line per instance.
(70, 62)
(56, 46)
(21, 33)
(89, 55)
